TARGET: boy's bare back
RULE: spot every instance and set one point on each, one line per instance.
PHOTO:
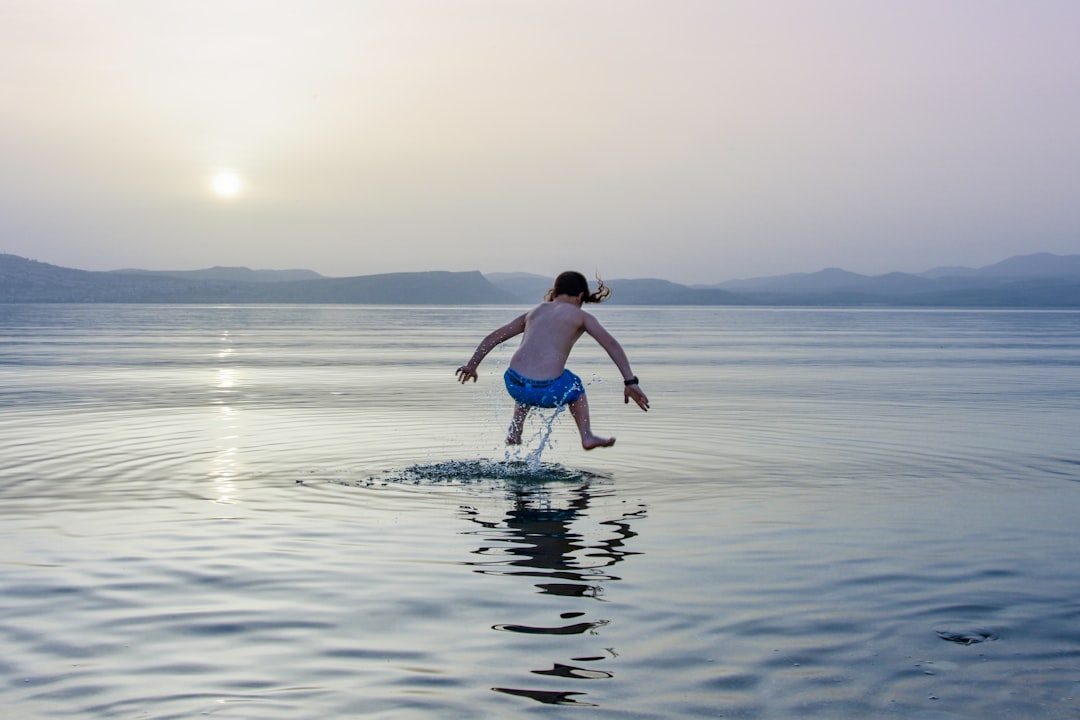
(551, 329)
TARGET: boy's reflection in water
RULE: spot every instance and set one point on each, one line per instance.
(548, 539)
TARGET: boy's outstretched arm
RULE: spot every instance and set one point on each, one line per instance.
(494, 338)
(618, 356)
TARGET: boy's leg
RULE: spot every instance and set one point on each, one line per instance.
(579, 409)
(517, 424)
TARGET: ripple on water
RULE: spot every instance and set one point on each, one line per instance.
(287, 520)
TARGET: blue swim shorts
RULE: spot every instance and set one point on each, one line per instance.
(543, 393)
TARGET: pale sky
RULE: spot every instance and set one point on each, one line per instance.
(692, 140)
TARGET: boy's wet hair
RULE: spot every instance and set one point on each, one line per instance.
(573, 284)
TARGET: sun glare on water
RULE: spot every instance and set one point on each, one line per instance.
(226, 184)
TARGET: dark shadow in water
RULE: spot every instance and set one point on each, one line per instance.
(546, 696)
(548, 536)
(970, 637)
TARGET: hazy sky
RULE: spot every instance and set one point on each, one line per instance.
(691, 140)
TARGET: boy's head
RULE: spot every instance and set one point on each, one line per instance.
(574, 284)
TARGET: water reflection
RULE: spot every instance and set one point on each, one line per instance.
(549, 535)
(224, 469)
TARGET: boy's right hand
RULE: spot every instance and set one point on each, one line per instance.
(465, 372)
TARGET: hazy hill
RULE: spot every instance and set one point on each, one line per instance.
(524, 287)
(1038, 265)
(1040, 280)
(237, 274)
(23, 280)
(828, 279)
(1019, 267)
(419, 288)
(529, 288)
(651, 291)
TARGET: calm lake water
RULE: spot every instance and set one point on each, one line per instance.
(295, 512)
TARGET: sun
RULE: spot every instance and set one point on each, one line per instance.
(226, 183)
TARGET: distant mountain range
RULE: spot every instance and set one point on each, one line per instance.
(1038, 280)
(235, 274)
(23, 281)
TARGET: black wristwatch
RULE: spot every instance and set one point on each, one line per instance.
(631, 381)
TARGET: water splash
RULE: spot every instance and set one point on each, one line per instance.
(483, 470)
(541, 439)
(539, 442)
(521, 464)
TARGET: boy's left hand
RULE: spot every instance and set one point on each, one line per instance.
(633, 391)
(465, 372)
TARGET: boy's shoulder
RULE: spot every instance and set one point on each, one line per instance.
(558, 309)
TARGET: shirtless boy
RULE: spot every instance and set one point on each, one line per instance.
(537, 376)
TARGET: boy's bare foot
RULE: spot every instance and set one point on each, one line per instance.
(511, 440)
(592, 441)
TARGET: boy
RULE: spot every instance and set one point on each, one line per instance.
(537, 376)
